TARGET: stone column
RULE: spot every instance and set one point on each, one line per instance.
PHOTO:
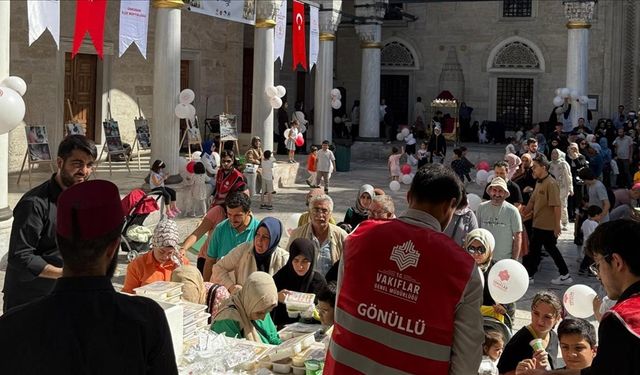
(261, 110)
(6, 216)
(329, 20)
(579, 14)
(166, 85)
(370, 33)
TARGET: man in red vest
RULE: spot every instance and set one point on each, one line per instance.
(614, 249)
(408, 296)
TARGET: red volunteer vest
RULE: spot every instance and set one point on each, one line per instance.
(224, 184)
(628, 312)
(396, 306)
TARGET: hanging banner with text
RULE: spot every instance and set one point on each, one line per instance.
(280, 33)
(299, 46)
(233, 10)
(44, 15)
(134, 22)
(90, 18)
(314, 37)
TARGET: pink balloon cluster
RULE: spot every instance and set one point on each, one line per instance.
(483, 165)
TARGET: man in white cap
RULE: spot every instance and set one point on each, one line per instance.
(502, 219)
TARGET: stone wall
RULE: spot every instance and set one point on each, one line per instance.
(214, 47)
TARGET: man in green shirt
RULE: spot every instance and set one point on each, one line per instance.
(240, 226)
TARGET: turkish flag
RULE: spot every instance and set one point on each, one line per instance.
(299, 47)
(89, 18)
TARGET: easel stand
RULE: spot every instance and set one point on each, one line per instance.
(136, 146)
(109, 153)
(30, 167)
(195, 142)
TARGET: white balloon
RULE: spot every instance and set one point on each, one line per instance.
(15, 83)
(578, 300)
(481, 177)
(336, 104)
(191, 111)
(292, 223)
(337, 120)
(474, 201)
(565, 92)
(558, 92)
(405, 132)
(583, 99)
(557, 101)
(335, 93)
(196, 155)
(281, 91)
(186, 96)
(271, 91)
(399, 137)
(275, 102)
(508, 281)
(394, 185)
(182, 111)
(406, 179)
(574, 94)
(490, 176)
(12, 109)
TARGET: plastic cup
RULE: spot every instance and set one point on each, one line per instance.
(536, 344)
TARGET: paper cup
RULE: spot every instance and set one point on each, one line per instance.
(536, 344)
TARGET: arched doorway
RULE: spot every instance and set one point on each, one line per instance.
(398, 60)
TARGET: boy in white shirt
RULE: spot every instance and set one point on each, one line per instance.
(326, 164)
(588, 226)
(267, 180)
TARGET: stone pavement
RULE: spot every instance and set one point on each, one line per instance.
(343, 190)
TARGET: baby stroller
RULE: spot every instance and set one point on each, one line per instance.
(138, 205)
(490, 323)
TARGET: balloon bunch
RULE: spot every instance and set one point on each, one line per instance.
(483, 177)
(402, 134)
(335, 99)
(12, 106)
(184, 109)
(275, 94)
(407, 176)
(565, 92)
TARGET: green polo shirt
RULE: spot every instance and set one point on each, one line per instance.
(225, 238)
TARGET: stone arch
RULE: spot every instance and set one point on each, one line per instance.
(398, 54)
(516, 54)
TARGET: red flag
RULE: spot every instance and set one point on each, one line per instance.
(299, 47)
(89, 17)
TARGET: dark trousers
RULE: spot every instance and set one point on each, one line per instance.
(624, 178)
(168, 194)
(547, 239)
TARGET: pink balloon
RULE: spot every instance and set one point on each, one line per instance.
(483, 165)
(405, 169)
(299, 136)
(299, 140)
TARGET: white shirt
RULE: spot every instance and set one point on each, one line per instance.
(325, 160)
(267, 169)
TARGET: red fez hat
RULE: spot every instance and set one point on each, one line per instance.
(89, 210)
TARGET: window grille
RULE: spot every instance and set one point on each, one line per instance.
(516, 8)
(514, 102)
(516, 55)
(396, 54)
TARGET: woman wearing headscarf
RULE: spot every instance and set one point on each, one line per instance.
(561, 170)
(193, 289)
(437, 146)
(607, 156)
(297, 276)
(576, 162)
(262, 254)
(246, 313)
(360, 212)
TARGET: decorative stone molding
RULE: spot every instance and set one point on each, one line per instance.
(579, 13)
(373, 10)
(451, 75)
(516, 55)
(266, 11)
(329, 17)
(370, 35)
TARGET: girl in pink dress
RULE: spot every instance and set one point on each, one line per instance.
(394, 163)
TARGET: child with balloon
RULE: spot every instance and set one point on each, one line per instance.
(394, 163)
(292, 135)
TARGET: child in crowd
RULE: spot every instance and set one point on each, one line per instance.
(156, 182)
(394, 163)
(588, 226)
(457, 164)
(437, 146)
(312, 165)
(577, 343)
(491, 350)
(410, 143)
(199, 189)
(326, 303)
(422, 154)
(482, 134)
(267, 180)
(467, 164)
(511, 146)
(325, 166)
(291, 140)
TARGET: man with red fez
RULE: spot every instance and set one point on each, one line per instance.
(84, 325)
(34, 259)
(413, 305)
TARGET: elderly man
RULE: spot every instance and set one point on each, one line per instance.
(327, 238)
(84, 326)
(501, 169)
(382, 207)
(502, 219)
(305, 216)
(34, 259)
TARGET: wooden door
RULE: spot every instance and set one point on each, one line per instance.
(80, 89)
(247, 89)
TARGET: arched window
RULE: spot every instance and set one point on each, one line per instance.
(516, 55)
(395, 55)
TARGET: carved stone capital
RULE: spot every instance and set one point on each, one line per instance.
(579, 12)
(329, 16)
(373, 10)
(369, 34)
(266, 11)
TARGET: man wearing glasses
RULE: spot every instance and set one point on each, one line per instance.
(613, 247)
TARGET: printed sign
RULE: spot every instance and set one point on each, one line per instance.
(38, 143)
(193, 132)
(233, 10)
(112, 135)
(228, 129)
(142, 133)
(76, 128)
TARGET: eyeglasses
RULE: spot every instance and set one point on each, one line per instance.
(595, 266)
(476, 250)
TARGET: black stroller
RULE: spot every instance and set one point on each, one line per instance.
(138, 205)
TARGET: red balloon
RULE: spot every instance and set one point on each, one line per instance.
(299, 136)
(483, 165)
(299, 140)
(405, 169)
(190, 166)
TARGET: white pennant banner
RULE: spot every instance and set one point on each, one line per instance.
(314, 37)
(280, 33)
(134, 23)
(44, 14)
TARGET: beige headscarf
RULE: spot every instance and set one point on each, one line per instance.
(193, 289)
(486, 238)
(258, 293)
